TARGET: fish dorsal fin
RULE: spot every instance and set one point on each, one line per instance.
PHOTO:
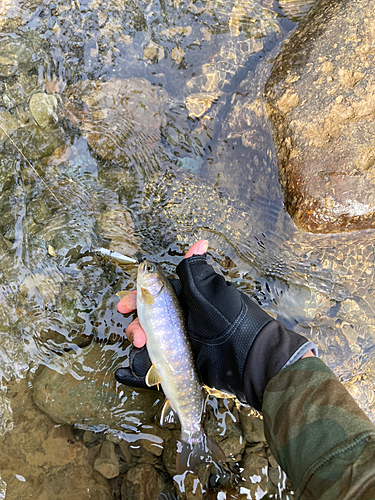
(147, 297)
(153, 377)
(168, 415)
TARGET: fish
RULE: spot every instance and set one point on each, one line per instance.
(161, 317)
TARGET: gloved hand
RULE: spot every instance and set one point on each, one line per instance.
(237, 346)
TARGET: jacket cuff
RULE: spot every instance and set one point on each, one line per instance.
(275, 348)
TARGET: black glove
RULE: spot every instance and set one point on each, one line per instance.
(227, 330)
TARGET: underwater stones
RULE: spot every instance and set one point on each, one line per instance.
(37, 142)
(142, 482)
(153, 51)
(84, 391)
(121, 118)
(41, 460)
(117, 225)
(14, 52)
(321, 98)
(197, 104)
(254, 474)
(107, 462)
(42, 107)
(9, 123)
(177, 55)
(252, 426)
(230, 439)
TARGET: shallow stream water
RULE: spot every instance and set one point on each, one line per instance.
(193, 157)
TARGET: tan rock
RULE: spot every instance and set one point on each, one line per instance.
(142, 482)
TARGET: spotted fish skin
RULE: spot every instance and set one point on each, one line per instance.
(162, 319)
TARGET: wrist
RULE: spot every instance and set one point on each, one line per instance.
(275, 348)
(308, 354)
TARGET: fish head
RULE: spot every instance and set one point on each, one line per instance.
(150, 280)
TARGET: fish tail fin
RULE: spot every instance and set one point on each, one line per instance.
(193, 453)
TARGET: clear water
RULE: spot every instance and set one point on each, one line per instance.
(211, 172)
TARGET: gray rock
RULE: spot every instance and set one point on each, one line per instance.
(142, 482)
(84, 391)
(321, 100)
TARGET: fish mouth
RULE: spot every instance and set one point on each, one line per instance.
(142, 268)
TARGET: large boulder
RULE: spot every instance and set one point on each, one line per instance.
(321, 97)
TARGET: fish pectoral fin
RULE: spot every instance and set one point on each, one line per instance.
(168, 415)
(146, 297)
(153, 377)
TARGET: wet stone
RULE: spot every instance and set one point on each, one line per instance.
(107, 462)
(323, 118)
(84, 391)
(142, 482)
(255, 470)
(42, 107)
(170, 453)
(192, 488)
(252, 426)
(14, 52)
(272, 459)
(117, 225)
(49, 460)
(231, 441)
(37, 142)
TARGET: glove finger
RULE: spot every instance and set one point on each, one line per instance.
(207, 293)
(139, 361)
(126, 377)
(135, 374)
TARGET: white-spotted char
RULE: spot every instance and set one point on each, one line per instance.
(162, 319)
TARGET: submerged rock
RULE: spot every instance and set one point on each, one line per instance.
(321, 97)
(107, 462)
(39, 459)
(121, 118)
(84, 391)
(42, 107)
(142, 482)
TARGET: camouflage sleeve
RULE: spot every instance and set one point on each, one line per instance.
(318, 434)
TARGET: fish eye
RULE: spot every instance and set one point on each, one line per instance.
(151, 268)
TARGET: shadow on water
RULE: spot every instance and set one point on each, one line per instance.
(140, 126)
